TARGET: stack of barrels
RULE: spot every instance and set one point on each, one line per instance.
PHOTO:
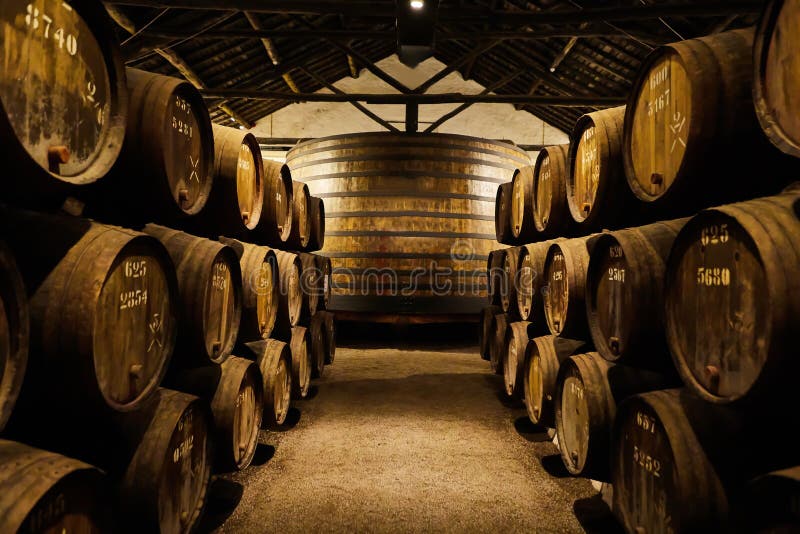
(160, 302)
(650, 330)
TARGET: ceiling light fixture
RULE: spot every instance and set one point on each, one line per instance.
(417, 4)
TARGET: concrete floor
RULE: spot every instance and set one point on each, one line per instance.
(406, 440)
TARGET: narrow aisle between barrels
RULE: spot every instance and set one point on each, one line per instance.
(405, 440)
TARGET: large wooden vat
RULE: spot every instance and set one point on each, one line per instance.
(402, 207)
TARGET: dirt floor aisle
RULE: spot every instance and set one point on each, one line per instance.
(399, 440)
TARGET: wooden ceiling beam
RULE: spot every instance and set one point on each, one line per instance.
(167, 34)
(421, 99)
(176, 61)
(371, 9)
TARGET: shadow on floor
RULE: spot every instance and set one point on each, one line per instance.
(554, 466)
(224, 496)
(264, 454)
(531, 432)
(292, 418)
(508, 402)
(313, 391)
(595, 516)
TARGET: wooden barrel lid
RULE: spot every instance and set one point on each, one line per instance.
(301, 227)
(249, 185)
(46, 492)
(135, 323)
(14, 333)
(550, 210)
(275, 361)
(237, 407)
(187, 166)
(718, 276)
(301, 363)
(586, 172)
(59, 71)
(777, 84)
(661, 470)
(557, 295)
(266, 300)
(222, 305)
(612, 280)
(572, 418)
(660, 122)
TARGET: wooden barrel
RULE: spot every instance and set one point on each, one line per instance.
(624, 294)
(676, 456)
(301, 362)
(275, 223)
(397, 204)
(210, 283)
(550, 207)
(290, 299)
(597, 192)
(48, 85)
(776, 85)
(689, 116)
(236, 198)
(731, 312)
(565, 275)
(275, 361)
(103, 309)
(317, 236)
(508, 296)
(772, 502)
(543, 357)
(166, 168)
(319, 345)
(497, 349)
(311, 286)
(523, 227)
(588, 390)
(325, 269)
(502, 214)
(164, 486)
(14, 333)
(530, 282)
(661, 470)
(495, 275)
(235, 392)
(301, 217)
(260, 289)
(486, 334)
(517, 337)
(330, 336)
(46, 492)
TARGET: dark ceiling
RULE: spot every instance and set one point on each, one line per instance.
(544, 48)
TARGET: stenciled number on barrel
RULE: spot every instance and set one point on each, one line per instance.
(716, 234)
(219, 279)
(713, 277)
(616, 275)
(659, 102)
(38, 20)
(647, 462)
(646, 422)
(558, 269)
(185, 447)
